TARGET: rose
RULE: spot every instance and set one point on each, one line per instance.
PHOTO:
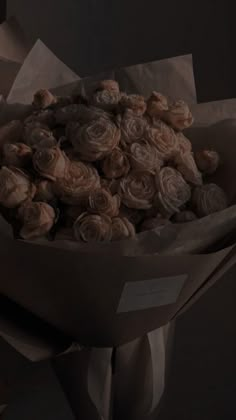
(45, 191)
(111, 85)
(15, 187)
(145, 157)
(164, 139)
(18, 154)
(156, 105)
(43, 98)
(208, 199)
(158, 222)
(133, 128)
(51, 163)
(178, 116)
(122, 229)
(106, 99)
(137, 190)
(80, 181)
(38, 136)
(136, 103)
(84, 115)
(116, 164)
(93, 228)
(173, 191)
(184, 144)
(110, 185)
(37, 219)
(100, 201)
(68, 113)
(11, 132)
(207, 161)
(186, 165)
(96, 140)
(185, 216)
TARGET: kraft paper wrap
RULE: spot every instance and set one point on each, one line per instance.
(57, 294)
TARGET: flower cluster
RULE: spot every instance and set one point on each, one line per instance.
(106, 167)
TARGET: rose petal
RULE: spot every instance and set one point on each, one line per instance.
(116, 164)
(37, 218)
(15, 187)
(207, 161)
(122, 228)
(93, 228)
(137, 190)
(208, 199)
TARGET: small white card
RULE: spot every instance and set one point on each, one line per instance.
(153, 293)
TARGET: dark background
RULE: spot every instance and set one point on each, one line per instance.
(94, 35)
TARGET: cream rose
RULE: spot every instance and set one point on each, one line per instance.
(135, 103)
(122, 228)
(100, 201)
(45, 191)
(111, 85)
(184, 144)
(164, 139)
(43, 99)
(116, 164)
(179, 116)
(133, 128)
(15, 187)
(137, 190)
(18, 154)
(38, 136)
(37, 220)
(80, 181)
(207, 161)
(106, 99)
(156, 105)
(173, 191)
(51, 163)
(208, 199)
(186, 165)
(96, 140)
(93, 228)
(145, 158)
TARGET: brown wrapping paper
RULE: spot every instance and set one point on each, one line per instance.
(129, 290)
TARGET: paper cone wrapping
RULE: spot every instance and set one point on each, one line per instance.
(104, 297)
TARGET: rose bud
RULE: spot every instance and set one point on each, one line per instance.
(38, 136)
(18, 154)
(100, 201)
(208, 199)
(111, 85)
(51, 163)
(137, 190)
(186, 165)
(185, 216)
(156, 105)
(96, 140)
(122, 228)
(116, 164)
(158, 222)
(173, 191)
(133, 128)
(133, 215)
(45, 191)
(164, 139)
(93, 228)
(43, 99)
(207, 161)
(135, 103)
(184, 144)
(76, 187)
(37, 219)
(15, 187)
(106, 99)
(178, 116)
(11, 132)
(144, 157)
